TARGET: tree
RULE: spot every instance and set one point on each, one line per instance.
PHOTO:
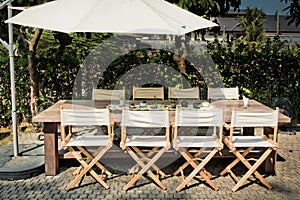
(205, 8)
(209, 8)
(31, 41)
(252, 25)
(294, 11)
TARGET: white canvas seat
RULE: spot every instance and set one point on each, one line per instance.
(246, 141)
(241, 146)
(80, 143)
(88, 141)
(187, 93)
(134, 143)
(148, 93)
(203, 141)
(222, 93)
(205, 146)
(144, 140)
(108, 95)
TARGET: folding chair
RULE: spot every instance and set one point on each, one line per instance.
(79, 145)
(223, 93)
(241, 146)
(133, 143)
(187, 93)
(110, 95)
(205, 146)
(148, 93)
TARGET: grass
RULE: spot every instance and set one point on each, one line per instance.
(6, 134)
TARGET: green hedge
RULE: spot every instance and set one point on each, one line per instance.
(22, 88)
(263, 70)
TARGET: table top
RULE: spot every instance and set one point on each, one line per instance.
(52, 114)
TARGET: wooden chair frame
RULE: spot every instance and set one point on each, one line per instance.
(111, 95)
(148, 93)
(187, 93)
(211, 143)
(250, 143)
(77, 144)
(134, 144)
(223, 93)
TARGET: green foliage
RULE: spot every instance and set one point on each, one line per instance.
(252, 25)
(208, 7)
(57, 71)
(129, 69)
(262, 70)
(21, 84)
(293, 11)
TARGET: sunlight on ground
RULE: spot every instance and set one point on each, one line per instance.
(6, 134)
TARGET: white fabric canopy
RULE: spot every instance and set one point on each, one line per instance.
(117, 16)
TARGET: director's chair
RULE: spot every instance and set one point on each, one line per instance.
(135, 143)
(197, 149)
(241, 146)
(81, 145)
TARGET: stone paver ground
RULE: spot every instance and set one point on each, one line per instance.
(285, 183)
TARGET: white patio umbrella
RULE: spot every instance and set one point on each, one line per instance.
(117, 16)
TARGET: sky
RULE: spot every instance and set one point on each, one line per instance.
(268, 6)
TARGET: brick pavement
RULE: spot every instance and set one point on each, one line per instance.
(285, 183)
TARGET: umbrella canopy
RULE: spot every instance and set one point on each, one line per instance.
(117, 16)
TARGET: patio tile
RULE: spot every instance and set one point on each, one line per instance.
(285, 183)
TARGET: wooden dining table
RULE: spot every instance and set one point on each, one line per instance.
(51, 121)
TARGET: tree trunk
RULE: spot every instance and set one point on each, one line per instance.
(180, 60)
(33, 73)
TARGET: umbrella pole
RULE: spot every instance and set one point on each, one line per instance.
(12, 80)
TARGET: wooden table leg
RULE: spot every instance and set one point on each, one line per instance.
(51, 148)
(269, 165)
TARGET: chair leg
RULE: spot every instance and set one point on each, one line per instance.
(182, 167)
(144, 168)
(86, 168)
(252, 169)
(146, 157)
(197, 169)
(236, 161)
(98, 164)
(206, 175)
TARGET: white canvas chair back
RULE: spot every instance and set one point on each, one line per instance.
(148, 93)
(70, 117)
(255, 119)
(108, 95)
(202, 118)
(223, 93)
(145, 119)
(188, 93)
